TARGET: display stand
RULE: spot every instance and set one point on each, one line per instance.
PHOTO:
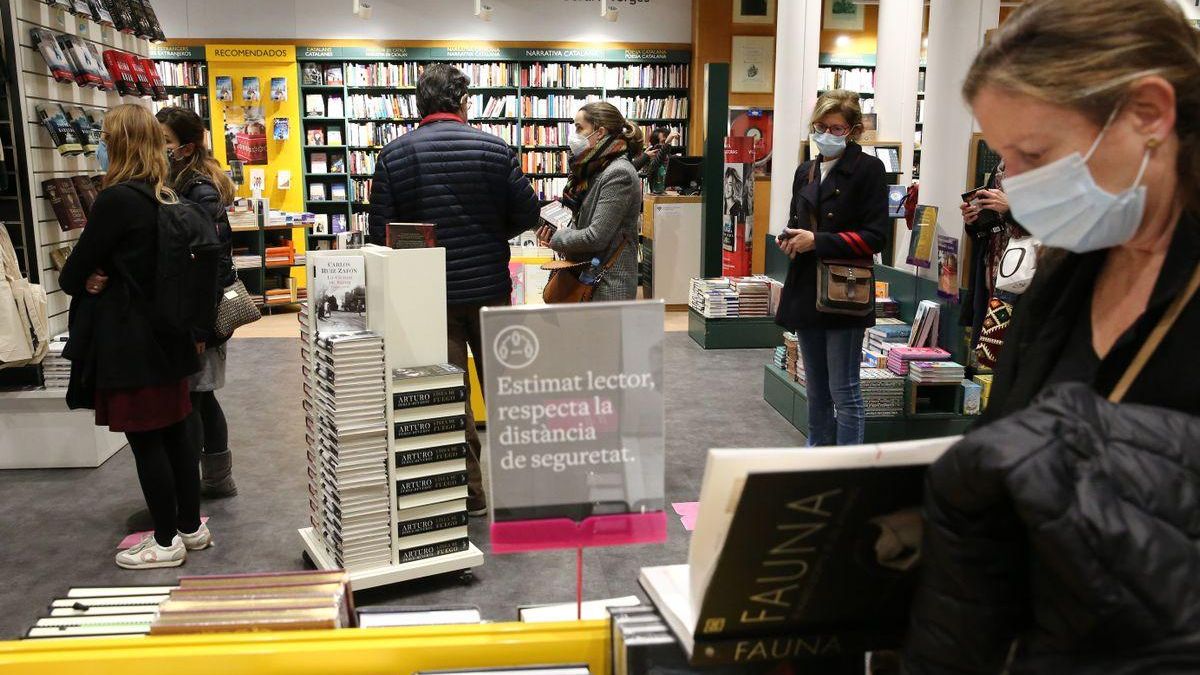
(671, 247)
(406, 306)
(37, 431)
(760, 332)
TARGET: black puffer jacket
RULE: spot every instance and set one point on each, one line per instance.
(1073, 527)
(200, 189)
(469, 184)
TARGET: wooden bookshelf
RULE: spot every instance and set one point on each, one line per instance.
(184, 72)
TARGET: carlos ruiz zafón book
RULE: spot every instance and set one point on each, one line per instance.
(799, 555)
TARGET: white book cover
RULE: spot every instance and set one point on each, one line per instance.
(340, 293)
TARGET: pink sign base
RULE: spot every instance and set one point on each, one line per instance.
(522, 536)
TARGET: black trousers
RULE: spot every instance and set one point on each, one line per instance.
(210, 431)
(168, 467)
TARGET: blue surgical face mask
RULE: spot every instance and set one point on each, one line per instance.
(830, 146)
(1062, 205)
(102, 154)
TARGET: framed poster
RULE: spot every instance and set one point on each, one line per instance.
(756, 123)
(842, 15)
(754, 11)
(753, 69)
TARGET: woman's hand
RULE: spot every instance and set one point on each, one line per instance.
(794, 242)
(96, 282)
(673, 136)
(995, 200)
(970, 212)
(544, 234)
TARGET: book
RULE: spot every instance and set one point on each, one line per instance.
(316, 192)
(251, 89)
(920, 250)
(337, 164)
(224, 88)
(83, 64)
(100, 13)
(314, 105)
(334, 136)
(59, 255)
(445, 615)
(62, 134)
(339, 293)
(156, 83)
(139, 74)
(122, 14)
(333, 75)
(948, 267)
(279, 89)
(411, 235)
(412, 555)
(429, 427)
(432, 518)
(310, 73)
(337, 192)
(428, 377)
(281, 129)
(106, 78)
(118, 68)
(86, 191)
(429, 397)
(568, 611)
(89, 137)
(315, 136)
(50, 49)
(318, 162)
(818, 559)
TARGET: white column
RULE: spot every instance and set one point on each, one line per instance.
(897, 75)
(956, 30)
(797, 58)
(1191, 8)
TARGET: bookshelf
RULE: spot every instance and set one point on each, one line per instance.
(525, 96)
(258, 260)
(184, 72)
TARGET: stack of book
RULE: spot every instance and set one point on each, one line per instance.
(257, 602)
(345, 396)
(899, 358)
(642, 643)
(754, 296)
(779, 360)
(86, 612)
(887, 332)
(936, 372)
(247, 261)
(887, 308)
(883, 392)
(242, 221)
(791, 342)
(281, 256)
(714, 298)
(926, 325)
(55, 369)
(430, 451)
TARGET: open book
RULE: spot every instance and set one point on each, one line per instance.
(799, 553)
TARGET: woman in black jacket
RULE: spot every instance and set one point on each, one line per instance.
(839, 211)
(1062, 536)
(196, 176)
(125, 362)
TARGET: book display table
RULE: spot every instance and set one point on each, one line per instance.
(743, 333)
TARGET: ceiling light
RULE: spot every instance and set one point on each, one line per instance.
(842, 41)
(608, 11)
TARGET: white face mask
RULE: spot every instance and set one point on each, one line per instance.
(830, 146)
(1062, 205)
(579, 143)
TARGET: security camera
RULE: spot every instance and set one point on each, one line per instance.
(483, 11)
(609, 12)
(362, 10)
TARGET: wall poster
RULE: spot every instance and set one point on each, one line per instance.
(753, 68)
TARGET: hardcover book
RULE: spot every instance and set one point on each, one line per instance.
(58, 256)
(100, 13)
(121, 74)
(106, 78)
(62, 134)
(339, 294)
(411, 235)
(86, 191)
(443, 481)
(52, 53)
(412, 555)
(429, 427)
(310, 73)
(156, 83)
(420, 399)
(156, 31)
(139, 74)
(819, 558)
(436, 517)
(88, 130)
(86, 69)
(65, 202)
(122, 14)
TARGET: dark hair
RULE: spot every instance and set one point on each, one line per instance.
(189, 129)
(659, 135)
(604, 114)
(441, 89)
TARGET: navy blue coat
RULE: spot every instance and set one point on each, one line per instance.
(469, 184)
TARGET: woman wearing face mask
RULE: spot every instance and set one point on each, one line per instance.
(196, 176)
(839, 211)
(605, 193)
(1062, 536)
(126, 363)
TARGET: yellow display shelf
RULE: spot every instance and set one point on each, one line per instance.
(373, 651)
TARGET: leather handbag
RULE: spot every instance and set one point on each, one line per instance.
(236, 309)
(565, 286)
(843, 286)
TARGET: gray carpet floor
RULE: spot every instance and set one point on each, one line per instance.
(60, 528)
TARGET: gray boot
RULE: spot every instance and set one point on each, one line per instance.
(216, 475)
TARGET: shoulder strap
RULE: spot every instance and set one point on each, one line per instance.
(1156, 337)
(612, 260)
(812, 175)
(812, 170)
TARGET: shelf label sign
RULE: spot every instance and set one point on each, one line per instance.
(252, 53)
(575, 424)
(176, 52)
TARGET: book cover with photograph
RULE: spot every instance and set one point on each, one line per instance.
(251, 89)
(51, 51)
(948, 267)
(66, 140)
(310, 73)
(282, 129)
(333, 76)
(314, 105)
(339, 292)
(279, 89)
(224, 88)
(315, 136)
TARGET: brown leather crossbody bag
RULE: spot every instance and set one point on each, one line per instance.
(844, 286)
(565, 287)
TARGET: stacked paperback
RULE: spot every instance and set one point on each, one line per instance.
(430, 451)
(883, 392)
(754, 296)
(714, 298)
(345, 395)
(888, 332)
(936, 372)
(900, 358)
(55, 369)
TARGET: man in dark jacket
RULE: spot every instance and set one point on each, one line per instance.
(469, 184)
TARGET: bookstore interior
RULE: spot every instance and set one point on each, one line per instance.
(605, 461)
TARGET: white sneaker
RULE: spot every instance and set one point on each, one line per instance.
(198, 540)
(147, 554)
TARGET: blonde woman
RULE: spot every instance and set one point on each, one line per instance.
(125, 363)
(1062, 536)
(839, 211)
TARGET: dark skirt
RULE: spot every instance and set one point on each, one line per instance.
(147, 408)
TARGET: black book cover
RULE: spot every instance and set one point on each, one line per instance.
(89, 137)
(420, 399)
(61, 133)
(100, 13)
(441, 481)
(122, 15)
(141, 24)
(410, 555)
(446, 521)
(81, 8)
(156, 32)
(86, 191)
(442, 453)
(813, 566)
(437, 425)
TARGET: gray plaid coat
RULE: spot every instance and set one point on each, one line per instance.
(610, 209)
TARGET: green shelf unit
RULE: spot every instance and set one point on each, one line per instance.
(790, 400)
(747, 333)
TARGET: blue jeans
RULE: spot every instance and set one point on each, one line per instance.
(831, 362)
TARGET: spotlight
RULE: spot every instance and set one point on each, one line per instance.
(842, 41)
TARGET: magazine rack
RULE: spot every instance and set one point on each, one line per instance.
(406, 305)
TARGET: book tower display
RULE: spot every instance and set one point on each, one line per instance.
(386, 419)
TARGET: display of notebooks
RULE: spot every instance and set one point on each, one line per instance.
(314, 105)
(333, 76)
(411, 235)
(251, 89)
(121, 72)
(52, 53)
(279, 92)
(65, 202)
(86, 191)
(823, 524)
(87, 70)
(315, 136)
(224, 88)
(64, 137)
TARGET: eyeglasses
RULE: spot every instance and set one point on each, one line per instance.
(836, 130)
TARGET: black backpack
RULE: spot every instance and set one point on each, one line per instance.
(186, 289)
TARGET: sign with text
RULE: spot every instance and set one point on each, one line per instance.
(252, 53)
(575, 424)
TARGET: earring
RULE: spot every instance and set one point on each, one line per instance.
(1153, 143)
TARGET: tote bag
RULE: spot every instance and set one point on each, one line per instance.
(23, 322)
